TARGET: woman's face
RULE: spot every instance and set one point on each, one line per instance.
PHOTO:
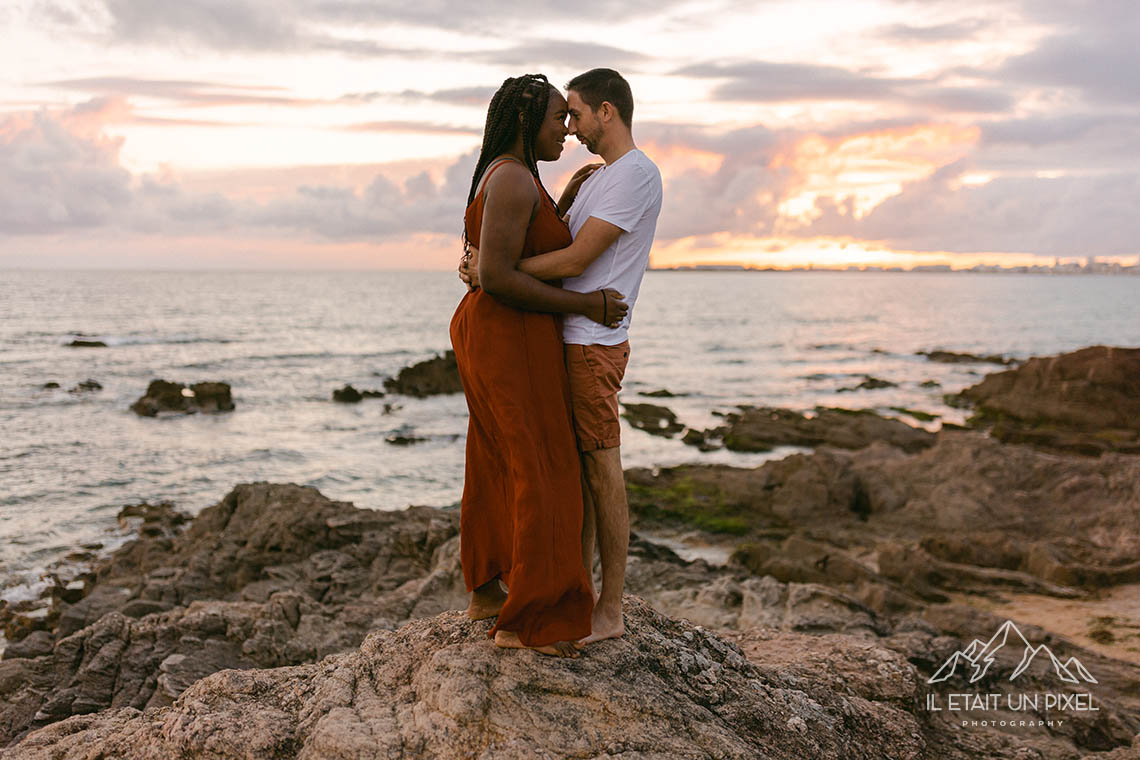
(552, 134)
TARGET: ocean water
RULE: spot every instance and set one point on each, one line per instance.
(285, 340)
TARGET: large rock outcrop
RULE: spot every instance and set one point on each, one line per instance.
(439, 688)
(1087, 401)
(427, 378)
(969, 513)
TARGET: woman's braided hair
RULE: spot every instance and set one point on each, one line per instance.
(528, 95)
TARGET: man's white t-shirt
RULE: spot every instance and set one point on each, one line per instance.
(627, 194)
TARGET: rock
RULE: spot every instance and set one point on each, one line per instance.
(436, 688)
(893, 529)
(164, 396)
(157, 520)
(662, 393)
(702, 440)
(350, 395)
(653, 419)
(869, 384)
(930, 384)
(1087, 401)
(274, 574)
(266, 625)
(401, 439)
(347, 395)
(917, 414)
(427, 378)
(51, 384)
(80, 343)
(35, 644)
(951, 357)
(86, 385)
(762, 428)
(666, 689)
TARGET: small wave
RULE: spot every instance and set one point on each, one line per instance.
(143, 340)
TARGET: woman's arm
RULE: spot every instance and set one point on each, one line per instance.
(510, 198)
(592, 240)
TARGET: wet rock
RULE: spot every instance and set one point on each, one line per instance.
(347, 395)
(917, 414)
(350, 395)
(653, 419)
(763, 428)
(1087, 401)
(869, 384)
(81, 343)
(427, 378)
(86, 385)
(164, 396)
(952, 357)
(702, 439)
(401, 439)
(662, 393)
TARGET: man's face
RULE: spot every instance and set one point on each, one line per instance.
(584, 123)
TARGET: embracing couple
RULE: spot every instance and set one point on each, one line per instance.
(541, 342)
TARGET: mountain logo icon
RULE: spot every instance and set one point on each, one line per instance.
(978, 657)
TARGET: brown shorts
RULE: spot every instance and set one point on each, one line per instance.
(595, 374)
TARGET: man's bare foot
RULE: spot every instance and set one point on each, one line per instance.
(486, 601)
(603, 626)
(510, 640)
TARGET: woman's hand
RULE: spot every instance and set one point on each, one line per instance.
(469, 269)
(608, 308)
(575, 183)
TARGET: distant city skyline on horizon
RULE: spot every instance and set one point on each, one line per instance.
(875, 133)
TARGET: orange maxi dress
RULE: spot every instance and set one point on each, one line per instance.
(521, 514)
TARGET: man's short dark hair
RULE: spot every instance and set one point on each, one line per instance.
(597, 86)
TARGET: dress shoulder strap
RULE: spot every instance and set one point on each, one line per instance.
(491, 170)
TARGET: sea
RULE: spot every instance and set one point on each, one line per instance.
(284, 340)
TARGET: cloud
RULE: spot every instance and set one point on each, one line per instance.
(570, 53)
(54, 180)
(58, 174)
(1062, 216)
(773, 82)
(1093, 51)
(419, 127)
(289, 26)
(221, 24)
(186, 93)
(947, 32)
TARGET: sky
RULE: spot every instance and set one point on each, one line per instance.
(341, 134)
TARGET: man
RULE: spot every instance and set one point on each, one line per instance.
(613, 218)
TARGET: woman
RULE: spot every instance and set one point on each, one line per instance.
(521, 514)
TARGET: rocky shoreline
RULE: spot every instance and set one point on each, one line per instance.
(279, 623)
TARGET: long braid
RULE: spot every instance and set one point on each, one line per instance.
(528, 95)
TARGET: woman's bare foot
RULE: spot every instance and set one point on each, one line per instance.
(603, 626)
(510, 640)
(486, 601)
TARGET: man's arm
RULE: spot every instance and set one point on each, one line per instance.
(510, 198)
(592, 240)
